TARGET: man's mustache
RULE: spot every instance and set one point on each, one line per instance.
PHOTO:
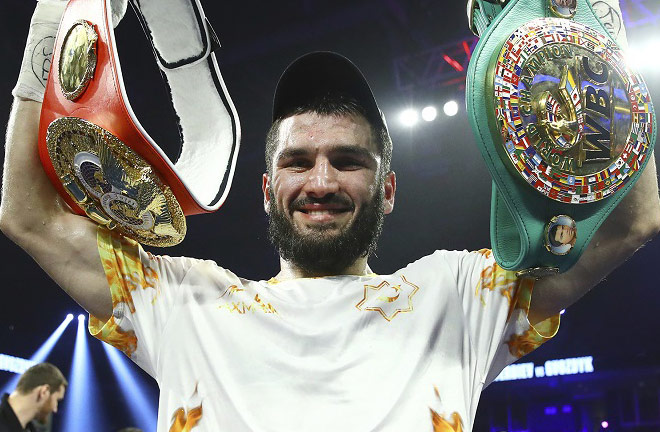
(335, 200)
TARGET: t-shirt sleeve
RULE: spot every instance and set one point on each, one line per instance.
(144, 289)
(496, 303)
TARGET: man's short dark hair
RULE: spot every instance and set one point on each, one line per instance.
(337, 104)
(40, 374)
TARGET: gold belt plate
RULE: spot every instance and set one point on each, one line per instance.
(576, 122)
(113, 184)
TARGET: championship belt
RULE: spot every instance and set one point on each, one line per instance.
(563, 123)
(93, 148)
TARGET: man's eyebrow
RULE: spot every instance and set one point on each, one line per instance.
(338, 149)
(354, 151)
(292, 153)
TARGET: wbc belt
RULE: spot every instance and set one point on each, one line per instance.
(563, 123)
(92, 146)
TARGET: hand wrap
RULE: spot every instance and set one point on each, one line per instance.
(35, 67)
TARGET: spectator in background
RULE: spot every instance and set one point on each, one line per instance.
(37, 395)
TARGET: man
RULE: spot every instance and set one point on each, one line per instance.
(37, 395)
(325, 344)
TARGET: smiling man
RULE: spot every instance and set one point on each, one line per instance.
(326, 344)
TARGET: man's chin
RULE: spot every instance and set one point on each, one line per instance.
(42, 417)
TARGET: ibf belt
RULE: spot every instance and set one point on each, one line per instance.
(563, 123)
(92, 146)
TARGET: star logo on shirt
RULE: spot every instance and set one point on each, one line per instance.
(388, 299)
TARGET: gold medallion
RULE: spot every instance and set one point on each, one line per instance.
(113, 184)
(77, 59)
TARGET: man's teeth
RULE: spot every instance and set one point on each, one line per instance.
(320, 212)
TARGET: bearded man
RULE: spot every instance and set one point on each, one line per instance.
(326, 344)
(38, 393)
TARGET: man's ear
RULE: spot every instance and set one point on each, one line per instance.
(42, 392)
(390, 191)
(265, 188)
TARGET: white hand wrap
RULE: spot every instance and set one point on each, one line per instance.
(38, 52)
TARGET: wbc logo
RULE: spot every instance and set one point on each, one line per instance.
(575, 120)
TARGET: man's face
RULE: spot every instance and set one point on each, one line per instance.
(565, 235)
(325, 196)
(50, 402)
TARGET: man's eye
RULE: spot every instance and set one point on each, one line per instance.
(297, 163)
(348, 163)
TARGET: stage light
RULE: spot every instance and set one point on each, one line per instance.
(451, 108)
(562, 312)
(69, 317)
(14, 364)
(551, 410)
(39, 356)
(81, 391)
(429, 113)
(409, 117)
(604, 424)
(639, 58)
(144, 412)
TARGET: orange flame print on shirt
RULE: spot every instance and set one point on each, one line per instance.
(125, 341)
(124, 270)
(485, 252)
(495, 278)
(185, 422)
(442, 425)
(520, 345)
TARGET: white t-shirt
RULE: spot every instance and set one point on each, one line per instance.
(410, 351)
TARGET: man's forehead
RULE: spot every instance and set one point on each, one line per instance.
(329, 130)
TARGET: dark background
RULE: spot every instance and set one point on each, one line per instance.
(443, 194)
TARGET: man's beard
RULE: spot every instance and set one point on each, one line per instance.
(318, 252)
(43, 415)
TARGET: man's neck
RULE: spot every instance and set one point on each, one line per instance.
(289, 270)
(23, 407)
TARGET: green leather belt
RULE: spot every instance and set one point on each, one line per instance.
(564, 125)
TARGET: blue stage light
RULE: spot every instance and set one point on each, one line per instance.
(14, 364)
(143, 411)
(81, 392)
(81, 317)
(39, 356)
(550, 410)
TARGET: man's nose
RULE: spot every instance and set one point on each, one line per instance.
(322, 180)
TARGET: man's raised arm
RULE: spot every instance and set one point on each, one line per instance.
(631, 224)
(31, 212)
(33, 215)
